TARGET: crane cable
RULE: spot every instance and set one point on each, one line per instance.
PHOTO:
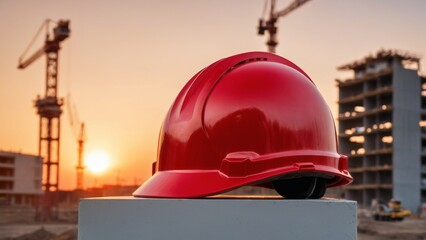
(265, 9)
(43, 25)
(72, 113)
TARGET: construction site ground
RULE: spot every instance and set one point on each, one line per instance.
(19, 224)
(39, 231)
(408, 229)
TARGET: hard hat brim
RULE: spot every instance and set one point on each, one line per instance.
(249, 169)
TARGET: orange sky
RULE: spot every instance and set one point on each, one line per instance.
(126, 61)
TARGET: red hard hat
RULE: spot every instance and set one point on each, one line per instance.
(250, 119)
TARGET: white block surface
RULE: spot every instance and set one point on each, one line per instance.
(245, 219)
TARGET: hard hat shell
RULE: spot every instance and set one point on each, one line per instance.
(247, 119)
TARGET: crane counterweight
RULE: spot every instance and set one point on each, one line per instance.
(61, 31)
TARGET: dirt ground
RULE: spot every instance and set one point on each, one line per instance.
(19, 224)
(409, 229)
(38, 231)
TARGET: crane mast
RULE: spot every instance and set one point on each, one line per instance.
(49, 109)
(80, 165)
(79, 131)
(269, 25)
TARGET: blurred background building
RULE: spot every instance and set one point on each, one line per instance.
(20, 178)
(382, 123)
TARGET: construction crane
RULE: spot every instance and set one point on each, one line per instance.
(80, 165)
(269, 25)
(79, 131)
(49, 110)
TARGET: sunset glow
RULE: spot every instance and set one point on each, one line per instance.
(97, 161)
(124, 64)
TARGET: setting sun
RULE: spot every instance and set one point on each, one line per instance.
(97, 161)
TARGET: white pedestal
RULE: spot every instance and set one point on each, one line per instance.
(218, 219)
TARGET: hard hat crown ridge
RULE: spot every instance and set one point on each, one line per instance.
(250, 119)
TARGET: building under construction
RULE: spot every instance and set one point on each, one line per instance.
(382, 128)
